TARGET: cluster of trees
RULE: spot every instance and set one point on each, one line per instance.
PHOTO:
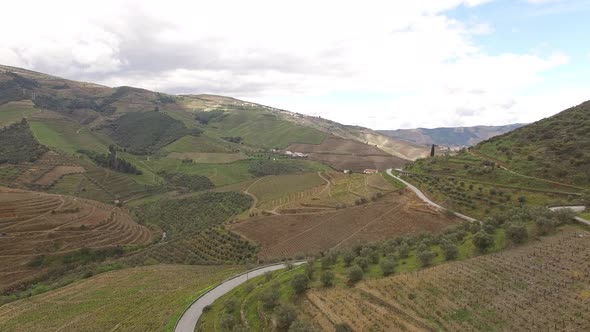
(146, 132)
(204, 117)
(19, 145)
(180, 216)
(517, 224)
(111, 161)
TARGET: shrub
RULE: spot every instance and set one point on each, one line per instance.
(516, 232)
(387, 266)
(348, 257)
(285, 314)
(230, 305)
(270, 298)
(355, 273)
(299, 283)
(425, 255)
(362, 262)
(227, 322)
(449, 249)
(403, 250)
(327, 278)
(482, 241)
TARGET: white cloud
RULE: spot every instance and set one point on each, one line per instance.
(286, 54)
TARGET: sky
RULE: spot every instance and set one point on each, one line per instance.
(378, 64)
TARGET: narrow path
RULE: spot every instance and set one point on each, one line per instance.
(328, 185)
(189, 319)
(252, 195)
(427, 200)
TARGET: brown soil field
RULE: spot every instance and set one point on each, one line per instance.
(343, 154)
(541, 286)
(34, 224)
(56, 173)
(290, 235)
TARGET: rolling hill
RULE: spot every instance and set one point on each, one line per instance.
(450, 136)
(555, 148)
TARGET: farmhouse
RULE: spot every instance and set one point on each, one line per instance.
(370, 171)
(296, 154)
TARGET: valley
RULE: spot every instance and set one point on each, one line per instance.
(119, 206)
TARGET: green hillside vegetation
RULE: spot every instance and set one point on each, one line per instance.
(146, 298)
(18, 144)
(190, 182)
(146, 132)
(14, 111)
(278, 167)
(179, 216)
(476, 187)
(267, 296)
(111, 161)
(556, 148)
(263, 129)
(200, 143)
(67, 135)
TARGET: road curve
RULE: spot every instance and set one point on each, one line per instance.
(426, 199)
(188, 320)
(575, 208)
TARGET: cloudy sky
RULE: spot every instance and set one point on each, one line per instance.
(380, 64)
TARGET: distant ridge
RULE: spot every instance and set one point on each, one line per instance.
(450, 136)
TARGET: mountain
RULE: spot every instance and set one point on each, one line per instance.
(556, 148)
(100, 108)
(450, 136)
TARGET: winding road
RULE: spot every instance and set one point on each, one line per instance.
(426, 199)
(575, 208)
(190, 317)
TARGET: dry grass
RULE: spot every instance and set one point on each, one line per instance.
(34, 224)
(137, 299)
(310, 233)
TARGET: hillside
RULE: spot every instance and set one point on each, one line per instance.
(259, 126)
(44, 232)
(450, 136)
(556, 148)
(514, 290)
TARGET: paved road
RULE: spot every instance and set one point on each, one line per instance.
(576, 208)
(426, 199)
(190, 317)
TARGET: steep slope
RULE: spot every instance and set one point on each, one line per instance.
(257, 125)
(450, 136)
(556, 148)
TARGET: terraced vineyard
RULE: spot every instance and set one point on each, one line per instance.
(308, 234)
(540, 286)
(148, 298)
(37, 228)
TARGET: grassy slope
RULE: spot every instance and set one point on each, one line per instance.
(67, 136)
(14, 111)
(556, 148)
(264, 129)
(147, 298)
(465, 184)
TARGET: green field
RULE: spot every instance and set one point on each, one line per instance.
(207, 157)
(14, 111)
(275, 190)
(264, 129)
(200, 143)
(147, 298)
(67, 136)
